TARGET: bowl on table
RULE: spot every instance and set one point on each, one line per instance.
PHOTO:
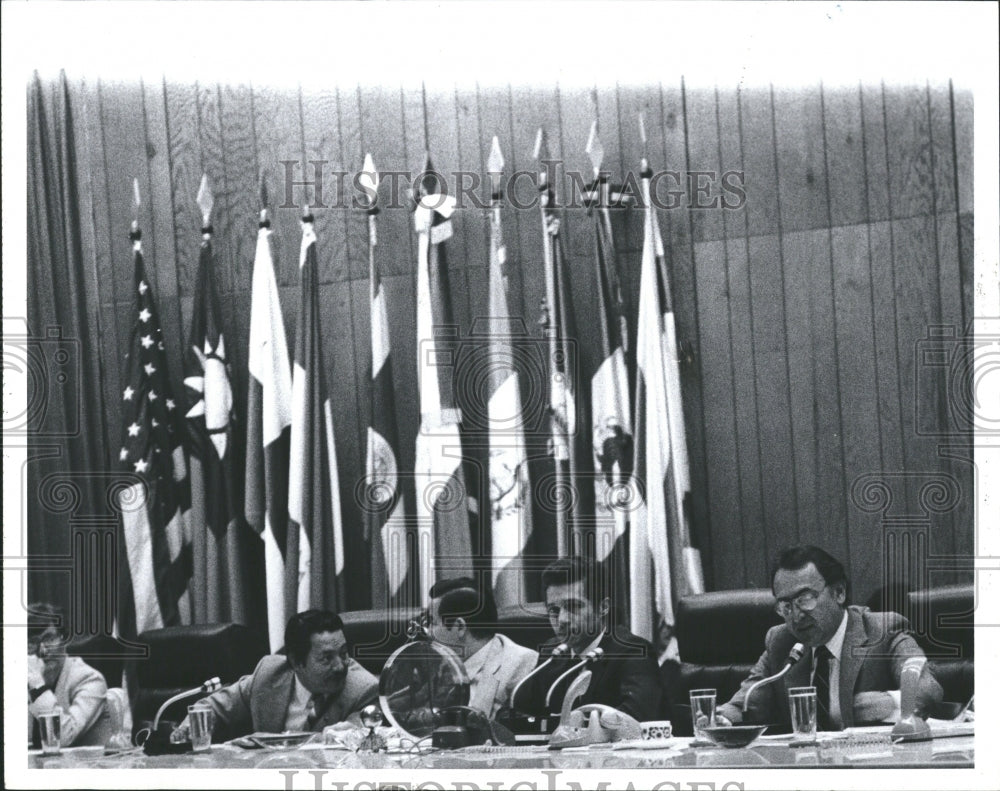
(733, 735)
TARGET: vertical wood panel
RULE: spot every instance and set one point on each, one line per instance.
(911, 169)
(875, 154)
(962, 115)
(758, 137)
(845, 155)
(703, 156)
(774, 444)
(859, 377)
(729, 519)
(185, 174)
(278, 132)
(214, 152)
(471, 145)
(320, 129)
(242, 188)
(799, 144)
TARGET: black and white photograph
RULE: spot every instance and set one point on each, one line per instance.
(503, 395)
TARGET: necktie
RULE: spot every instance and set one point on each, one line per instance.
(317, 708)
(821, 680)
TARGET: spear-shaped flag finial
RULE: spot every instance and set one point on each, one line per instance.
(645, 141)
(595, 150)
(368, 181)
(264, 197)
(136, 203)
(541, 145)
(205, 200)
(494, 166)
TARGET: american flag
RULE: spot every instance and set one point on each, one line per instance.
(156, 500)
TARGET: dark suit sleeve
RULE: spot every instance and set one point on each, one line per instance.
(641, 692)
(760, 709)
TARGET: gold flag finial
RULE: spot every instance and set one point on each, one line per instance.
(368, 180)
(494, 165)
(136, 203)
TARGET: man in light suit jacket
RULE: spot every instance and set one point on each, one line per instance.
(863, 652)
(55, 679)
(315, 684)
(463, 616)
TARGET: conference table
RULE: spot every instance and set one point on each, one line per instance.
(867, 749)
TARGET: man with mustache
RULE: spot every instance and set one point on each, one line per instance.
(854, 657)
(625, 673)
(315, 684)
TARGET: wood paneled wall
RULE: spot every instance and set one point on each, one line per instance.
(800, 312)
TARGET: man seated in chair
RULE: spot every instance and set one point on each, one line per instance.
(625, 673)
(463, 616)
(854, 657)
(55, 679)
(315, 684)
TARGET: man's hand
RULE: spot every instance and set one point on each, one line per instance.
(722, 721)
(180, 734)
(36, 672)
(873, 707)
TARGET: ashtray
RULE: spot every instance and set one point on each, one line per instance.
(734, 735)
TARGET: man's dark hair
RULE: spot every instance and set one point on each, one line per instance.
(41, 616)
(463, 597)
(302, 626)
(800, 556)
(567, 571)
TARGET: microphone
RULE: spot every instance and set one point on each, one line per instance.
(209, 686)
(793, 656)
(558, 651)
(911, 727)
(590, 656)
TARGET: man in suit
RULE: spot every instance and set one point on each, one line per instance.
(315, 684)
(854, 657)
(625, 673)
(462, 616)
(55, 679)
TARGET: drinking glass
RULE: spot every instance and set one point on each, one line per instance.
(50, 725)
(802, 703)
(201, 718)
(702, 712)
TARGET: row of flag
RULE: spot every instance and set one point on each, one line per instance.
(208, 540)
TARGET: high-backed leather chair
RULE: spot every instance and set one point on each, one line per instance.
(942, 622)
(183, 657)
(720, 635)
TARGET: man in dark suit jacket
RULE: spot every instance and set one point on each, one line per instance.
(315, 684)
(864, 652)
(625, 673)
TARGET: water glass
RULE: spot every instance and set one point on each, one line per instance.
(702, 712)
(802, 704)
(50, 725)
(201, 720)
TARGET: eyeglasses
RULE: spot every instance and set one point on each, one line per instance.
(804, 602)
(42, 647)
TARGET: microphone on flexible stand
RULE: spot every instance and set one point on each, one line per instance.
(557, 652)
(590, 656)
(158, 743)
(910, 728)
(793, 656)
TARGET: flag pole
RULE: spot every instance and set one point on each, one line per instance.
(557, 404)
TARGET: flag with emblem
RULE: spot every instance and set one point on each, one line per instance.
(510, 492)
(444, 544)
(385, 523)
(611, 423)
(227, 579)
(269, 423)
(314, 557)
(559, 494)
(156, 496)
(663, 563)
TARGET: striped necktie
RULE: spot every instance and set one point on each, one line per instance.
(821, 680)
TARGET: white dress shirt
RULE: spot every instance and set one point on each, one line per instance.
(298, 708)
(834, 645)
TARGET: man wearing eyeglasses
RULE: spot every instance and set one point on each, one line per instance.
(854, 657)
(68, 682)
